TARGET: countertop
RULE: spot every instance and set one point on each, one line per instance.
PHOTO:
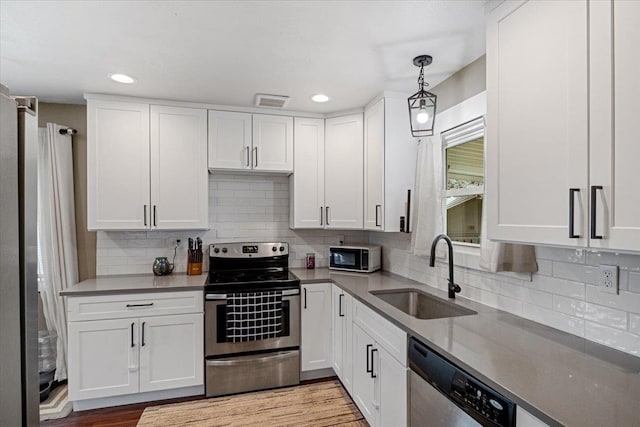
(560, 378)
(134, 283)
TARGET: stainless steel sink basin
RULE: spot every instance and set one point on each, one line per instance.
(421, 305)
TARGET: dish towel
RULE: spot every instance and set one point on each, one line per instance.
(253, 316)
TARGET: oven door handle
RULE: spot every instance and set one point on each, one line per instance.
(221, 297)
(249, 360)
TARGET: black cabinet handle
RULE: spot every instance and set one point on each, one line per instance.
(305, 298)
(594, 191)
(140, 305)
(321, 216)
(155, 216)
(326, 214)
(340, 305)
(368, 347)
(143, 323)
(255, 157)
(377, 207)
(132, 343)
(145, 215)
(373, 375)
(572, 192)
(248, 156)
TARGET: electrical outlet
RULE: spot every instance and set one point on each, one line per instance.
(609, 279)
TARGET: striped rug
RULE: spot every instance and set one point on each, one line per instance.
(319, 404)
(57, 404)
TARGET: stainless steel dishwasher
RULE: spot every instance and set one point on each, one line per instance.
(442, 395)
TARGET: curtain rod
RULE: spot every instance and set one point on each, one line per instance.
(68, 131)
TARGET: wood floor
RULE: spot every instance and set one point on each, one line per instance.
(122, 416)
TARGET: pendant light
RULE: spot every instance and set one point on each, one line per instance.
(422, 104)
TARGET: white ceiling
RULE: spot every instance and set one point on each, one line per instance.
(225, 52)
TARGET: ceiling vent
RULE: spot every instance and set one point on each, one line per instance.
(271, 101)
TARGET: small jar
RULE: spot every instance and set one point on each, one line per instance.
(311, 261)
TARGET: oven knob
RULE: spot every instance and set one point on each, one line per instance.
(281, 248)
(224, 250)
(216, 250)
(274, 249)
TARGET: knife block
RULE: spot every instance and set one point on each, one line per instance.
(194, 268)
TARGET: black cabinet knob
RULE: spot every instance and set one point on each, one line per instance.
(274, 249)
(281, 248)
(216, 250)
(224, 250)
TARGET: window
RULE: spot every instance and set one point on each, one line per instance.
(463, 157)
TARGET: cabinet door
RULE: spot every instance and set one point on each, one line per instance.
(374, 167)
(391, 389)
(272, 143)
(179, 184)
(615, 151)
(103, 358)
(363, 380)
(171, 352)
(344, 172)
(229, 140)
(316, 326)
(537, 121)
(337, 331)
(307, 181)
(118, 180)
(347, 342)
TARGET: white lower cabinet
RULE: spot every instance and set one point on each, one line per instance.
(315, 346)
(342, 333)
(134, 351)
(171, 349)
(103, 358)
(363, 380)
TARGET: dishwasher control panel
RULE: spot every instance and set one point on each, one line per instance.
(476, 399)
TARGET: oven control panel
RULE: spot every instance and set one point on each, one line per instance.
(248, 250)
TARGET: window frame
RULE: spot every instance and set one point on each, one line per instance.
(452, 137)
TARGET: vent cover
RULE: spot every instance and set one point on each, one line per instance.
(271, 101)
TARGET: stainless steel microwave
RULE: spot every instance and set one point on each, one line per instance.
(360, 258)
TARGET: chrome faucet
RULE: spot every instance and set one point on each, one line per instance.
(453, 288)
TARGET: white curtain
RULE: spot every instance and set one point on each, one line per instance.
(56, 233)
(428, 213)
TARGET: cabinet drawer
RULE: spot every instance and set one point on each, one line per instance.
(389, 336)
(120, 306)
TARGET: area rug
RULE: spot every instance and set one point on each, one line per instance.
(319, 404)
(57, 404)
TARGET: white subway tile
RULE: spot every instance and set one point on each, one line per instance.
(627, 301)
(560, 254)
(557, 286)
(634, 323)
(576, 272)
(570, 324)
(625, 261)
(634, 282)
(623, 341)
(592, 312)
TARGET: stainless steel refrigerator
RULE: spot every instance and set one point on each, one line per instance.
(19, 393)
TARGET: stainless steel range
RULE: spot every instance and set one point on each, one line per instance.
(252, 318)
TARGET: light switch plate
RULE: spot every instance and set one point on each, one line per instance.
(609, 279)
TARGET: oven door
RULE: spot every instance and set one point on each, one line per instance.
(215, 328)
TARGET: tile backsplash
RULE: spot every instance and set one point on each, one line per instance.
(242, 207)
(562, 294)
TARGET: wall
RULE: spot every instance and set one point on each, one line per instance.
(242, 207)
(468, 81)
(75, 116)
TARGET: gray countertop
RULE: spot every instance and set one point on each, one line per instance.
(104, 285)
(560, 378)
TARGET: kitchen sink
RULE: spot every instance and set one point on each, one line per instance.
(421, 305)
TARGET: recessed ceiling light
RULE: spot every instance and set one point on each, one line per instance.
(122, 78)
(320, 98)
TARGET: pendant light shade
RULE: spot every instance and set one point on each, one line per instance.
(422, 104)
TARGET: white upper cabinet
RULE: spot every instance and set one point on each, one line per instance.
(229, 140)
(307, 181)
(179, 177)
(390, 155)
(614, 147)
(272, 143)
(344, 172)
(118, 180)
(561, 143)
(146, 166)
(537, 122)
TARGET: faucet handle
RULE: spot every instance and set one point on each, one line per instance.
(454, 287)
